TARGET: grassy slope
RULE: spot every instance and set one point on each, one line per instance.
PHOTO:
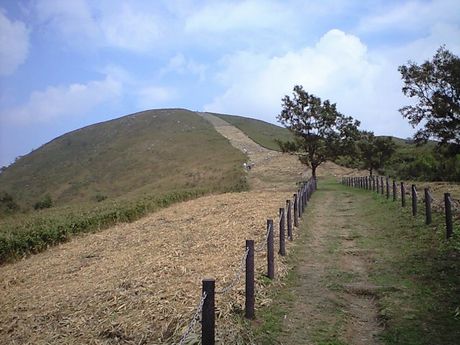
(159, 150)
(261, 132)
(140, 162)
(418, 273)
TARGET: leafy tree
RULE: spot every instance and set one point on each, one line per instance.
(436, 85)
(374, 151)
(320, 132)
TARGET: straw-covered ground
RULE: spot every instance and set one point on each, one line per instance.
(139, 283)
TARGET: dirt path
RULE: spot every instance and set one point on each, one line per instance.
(333, 302)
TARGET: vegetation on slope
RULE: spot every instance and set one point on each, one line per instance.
(263, 133)
(114, 171)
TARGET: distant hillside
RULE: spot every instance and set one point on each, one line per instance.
(151, 151)
(261, 132)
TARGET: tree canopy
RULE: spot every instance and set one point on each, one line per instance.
(374, 151)
(320, 132)
(436, 86)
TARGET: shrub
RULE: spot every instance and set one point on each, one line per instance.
(46, 202)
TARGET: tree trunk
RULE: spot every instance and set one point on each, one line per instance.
(313, 171)
(370, 171)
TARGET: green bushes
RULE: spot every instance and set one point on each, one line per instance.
(45, 203)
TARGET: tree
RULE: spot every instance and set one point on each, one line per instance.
(436, 85)
(374, 151)
(320, 132)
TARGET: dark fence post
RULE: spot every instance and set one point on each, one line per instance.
(373, 183)
(448, 207)
(381, 184)
(388, 187)
(296, 215)
(270, 251)
(403, 195)
(250, 300)
(427, 206)
(282, 250)
(299, 196)
(414, 200)
(303, 199)
(289, 219)
(395, 195)
(208, 313)
(378, 185)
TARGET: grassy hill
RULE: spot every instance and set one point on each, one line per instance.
(261, 132)
(156, 150)
(112, 172)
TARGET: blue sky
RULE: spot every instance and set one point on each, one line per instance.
(68, 64)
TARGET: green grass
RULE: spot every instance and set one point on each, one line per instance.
(416, 270)
(261, 132)
(115, 171)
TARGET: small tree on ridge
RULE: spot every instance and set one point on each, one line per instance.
(320, 132)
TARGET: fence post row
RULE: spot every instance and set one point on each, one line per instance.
(375, 183)
(270, 251)
(282, 250)
(208, 313)
(249, 287)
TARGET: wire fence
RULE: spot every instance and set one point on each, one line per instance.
(449, 206)
(204, 312)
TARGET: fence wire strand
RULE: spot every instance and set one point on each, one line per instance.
(237, 275)
(262, 245)
(195, 318)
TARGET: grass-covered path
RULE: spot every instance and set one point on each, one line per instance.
(365, 272)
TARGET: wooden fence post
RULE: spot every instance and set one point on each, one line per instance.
(448, 207)
(427, 207)
(208, 313)
(303, 199)
(249, 288)
(289, 219)
(414, 200)
(282, 250)
(395, 195)
(373, 183)
(299, 196)
(381, 184)
(270, 251)
(403, 195)
(388, 187)
(296, 215)
(378, 185)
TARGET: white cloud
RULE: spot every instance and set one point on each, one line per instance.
(181, 65)
(117, 25)
(57, 102)
(411, 16)
(250, 14)
(14, 44)
(131, 30)
(338, 68)
(154, 97)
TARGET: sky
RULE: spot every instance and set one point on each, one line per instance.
(69, 64)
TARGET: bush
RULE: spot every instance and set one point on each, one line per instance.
(45, 203)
